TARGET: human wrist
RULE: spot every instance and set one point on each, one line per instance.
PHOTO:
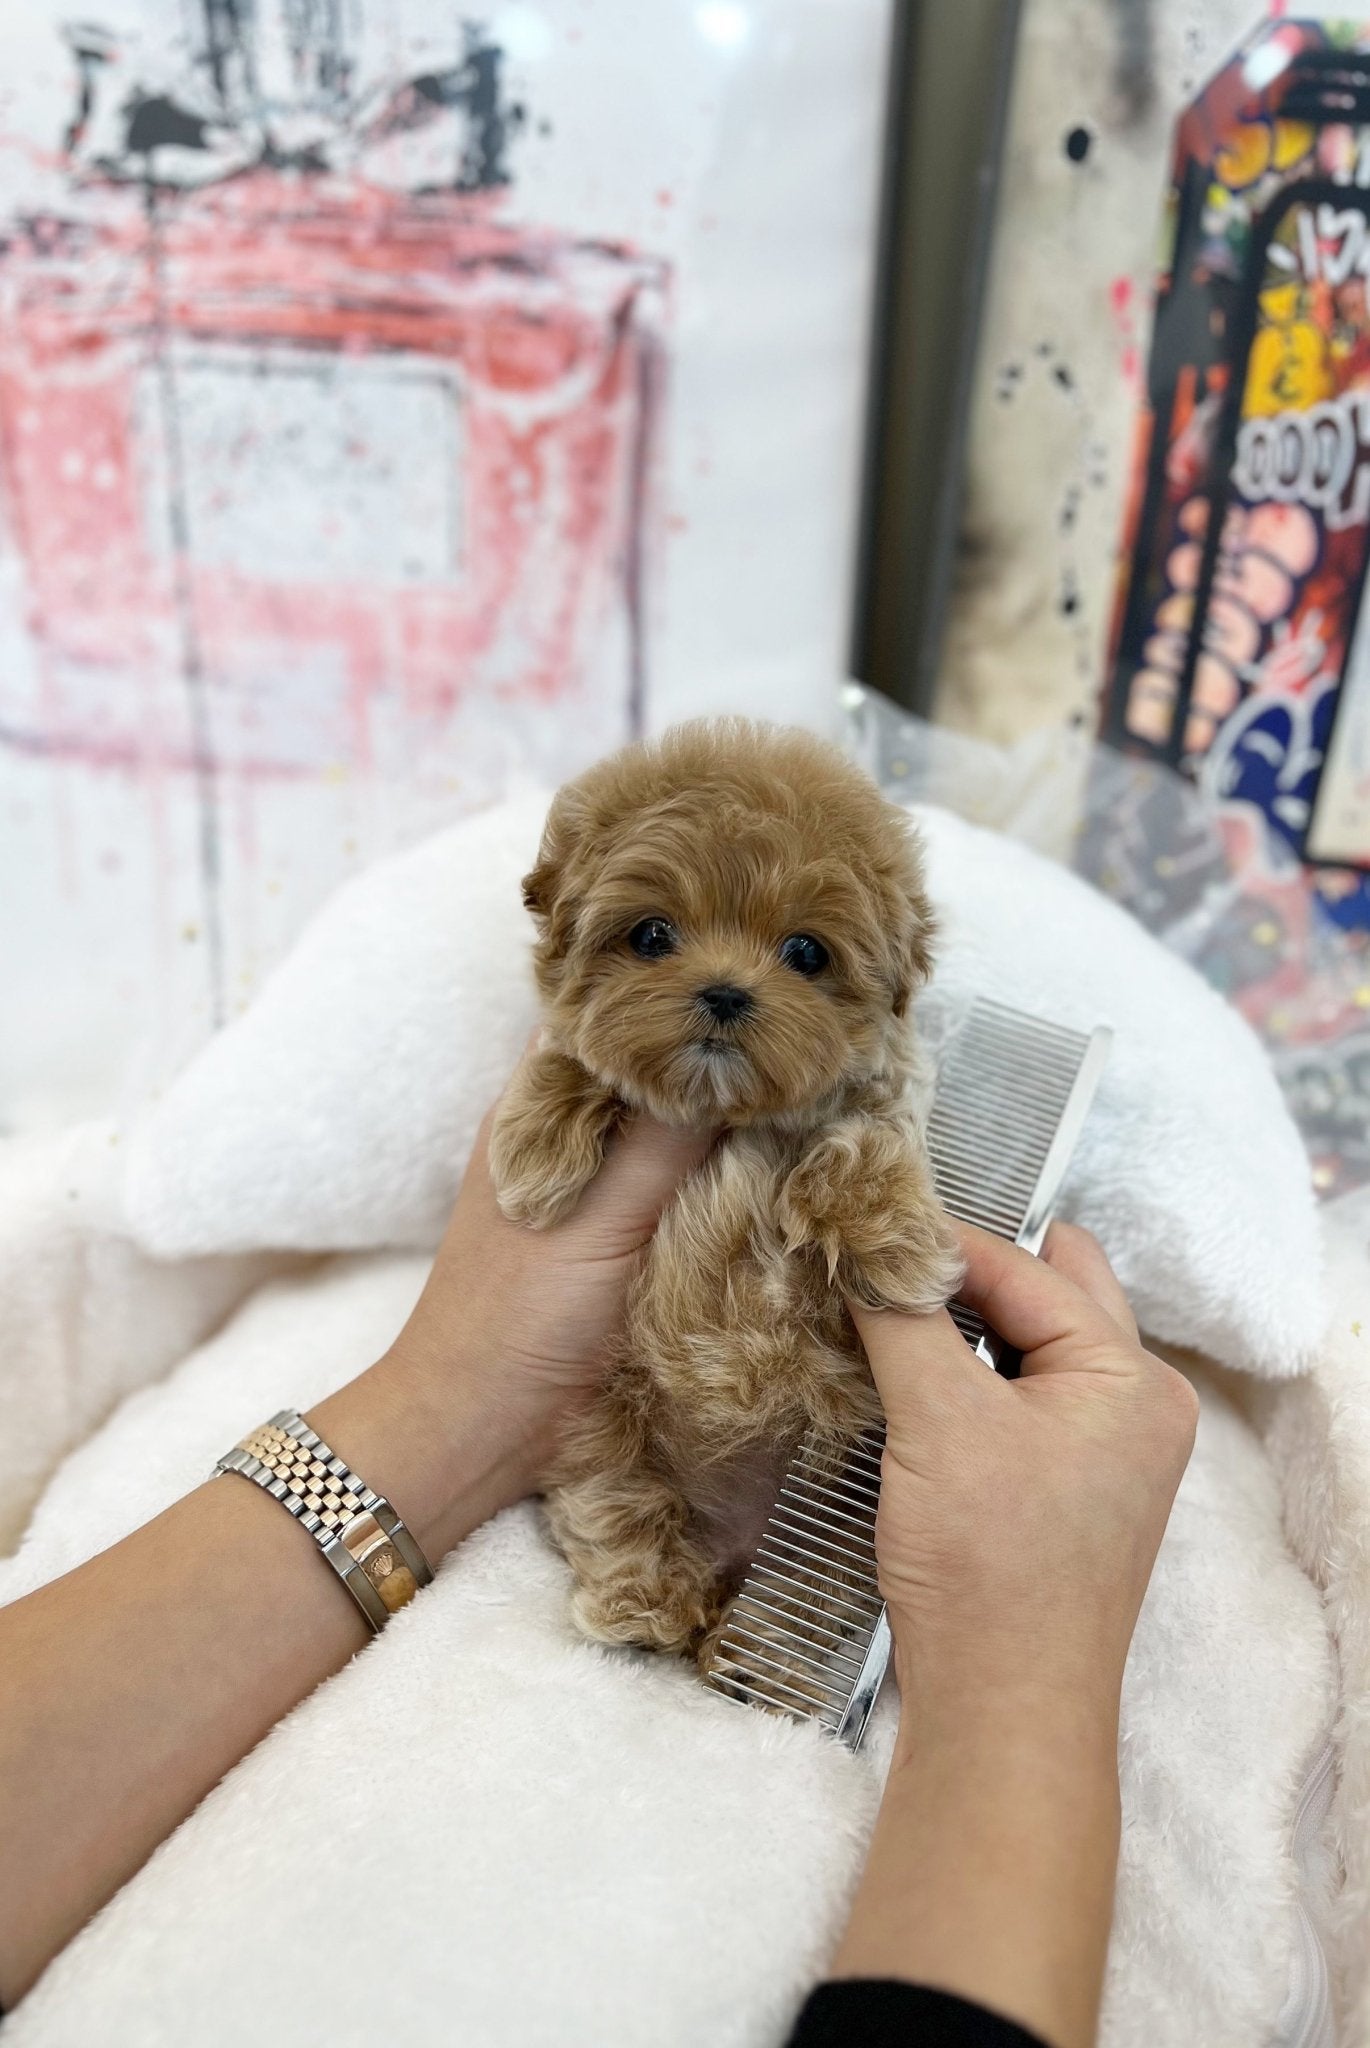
(444, 1449)
(1020, 1731)
(991, 1870)
(990, 1875)
(960, 1694)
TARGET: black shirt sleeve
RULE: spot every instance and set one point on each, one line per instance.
(878, 2012)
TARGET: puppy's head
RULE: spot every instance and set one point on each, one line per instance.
(731, 923)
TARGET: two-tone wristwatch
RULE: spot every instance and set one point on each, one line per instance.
(356, 1528)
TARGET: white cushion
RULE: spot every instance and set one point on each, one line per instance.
(338, 1112)
(562, 1845)
(1190, 1170)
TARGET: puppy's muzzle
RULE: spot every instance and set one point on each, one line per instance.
(725, 1003)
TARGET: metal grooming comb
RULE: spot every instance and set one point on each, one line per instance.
(807, 1633)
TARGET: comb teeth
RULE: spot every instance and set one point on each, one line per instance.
(1001, 1095)
(807, 1634)
(797, 1632)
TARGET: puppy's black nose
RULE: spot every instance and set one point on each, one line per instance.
(725, 1003)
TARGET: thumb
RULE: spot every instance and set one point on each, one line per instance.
(919, 1363)
(644, 1165)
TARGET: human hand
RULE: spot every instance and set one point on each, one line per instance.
(148, 1704)
(512, 1330)
(1019, 1519)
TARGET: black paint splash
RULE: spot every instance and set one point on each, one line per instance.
(223, 100)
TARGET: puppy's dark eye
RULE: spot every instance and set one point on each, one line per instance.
(807, 956)
(653, 938)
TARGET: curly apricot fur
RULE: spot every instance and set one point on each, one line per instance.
(736, 1338)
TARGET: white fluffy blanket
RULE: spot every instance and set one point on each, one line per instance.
(556, 1844)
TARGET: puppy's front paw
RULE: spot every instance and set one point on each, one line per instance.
(863, 1196)
(548, 1137)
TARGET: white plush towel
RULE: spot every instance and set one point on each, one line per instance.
(559, 1844)
(338, 1112)
(85, 1315)
(556, 1844)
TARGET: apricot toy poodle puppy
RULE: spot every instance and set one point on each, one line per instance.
(731, 927)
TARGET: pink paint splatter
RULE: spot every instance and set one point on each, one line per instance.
(543, 337)
(1122, 302)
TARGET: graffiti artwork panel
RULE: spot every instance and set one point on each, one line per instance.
(1239, 650)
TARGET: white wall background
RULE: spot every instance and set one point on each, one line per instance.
(736, 143)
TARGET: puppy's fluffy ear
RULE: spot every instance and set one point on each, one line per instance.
(546, 886)
(916, 926)
(915, 959)
(539, 887)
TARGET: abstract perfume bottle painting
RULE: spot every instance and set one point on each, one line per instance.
(300, 468)
(394, 442)
(395, 410)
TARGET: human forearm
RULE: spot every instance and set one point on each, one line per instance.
(1019, 1520)
(991, 1869)
(135, 1682)
(138, 1679)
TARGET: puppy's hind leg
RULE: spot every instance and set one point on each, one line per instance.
(642, 1577)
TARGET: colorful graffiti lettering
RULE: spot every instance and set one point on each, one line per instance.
(1250, 517)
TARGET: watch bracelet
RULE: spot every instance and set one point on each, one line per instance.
(356, 1528)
